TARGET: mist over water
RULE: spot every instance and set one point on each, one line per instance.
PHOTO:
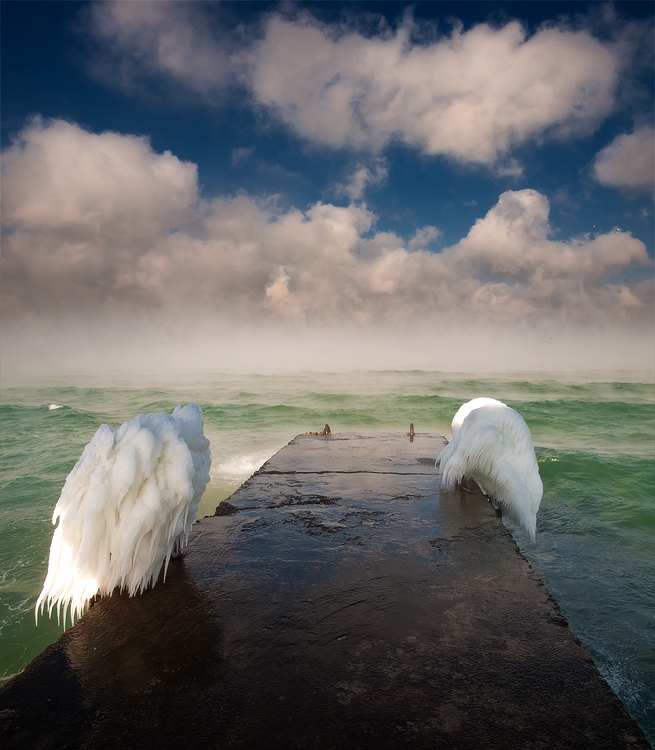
(152, 349)
(595, 444)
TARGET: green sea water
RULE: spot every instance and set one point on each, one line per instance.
(595, 444)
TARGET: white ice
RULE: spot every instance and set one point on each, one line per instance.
(492, 445)
(126, 507)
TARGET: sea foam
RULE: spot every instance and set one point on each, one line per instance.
(126, 507)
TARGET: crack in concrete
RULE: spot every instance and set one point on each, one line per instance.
(354, 471)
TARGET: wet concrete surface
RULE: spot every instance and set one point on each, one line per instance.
(339, 599)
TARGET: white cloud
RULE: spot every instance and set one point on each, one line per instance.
(60, 178)
(144, 39)
(424, 237)
(362, 177)
(628, 161)
(471, 95)
(101, 226)
(80, 208)
(511, 244)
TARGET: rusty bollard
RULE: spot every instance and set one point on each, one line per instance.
(325, 431)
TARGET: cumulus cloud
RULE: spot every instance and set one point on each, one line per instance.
(470, 95)
(102, 225)
(80, 208)
(511, 244)
(628, 161)
(523, 271)
(63, 179)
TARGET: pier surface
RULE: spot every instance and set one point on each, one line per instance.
(340, 599)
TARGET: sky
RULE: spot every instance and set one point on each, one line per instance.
(326, 185)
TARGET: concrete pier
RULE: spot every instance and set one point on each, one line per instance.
(339, 599)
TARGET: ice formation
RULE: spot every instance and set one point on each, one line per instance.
(126, 507)
(492, 445)
(467, 408)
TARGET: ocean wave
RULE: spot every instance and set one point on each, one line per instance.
(239, 467)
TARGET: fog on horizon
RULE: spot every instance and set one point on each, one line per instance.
(156, 353)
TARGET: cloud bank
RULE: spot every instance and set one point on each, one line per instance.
(101, 225)
(111, 243)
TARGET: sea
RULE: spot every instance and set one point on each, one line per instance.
(594, 437)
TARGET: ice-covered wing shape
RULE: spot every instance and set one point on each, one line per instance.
(126, 507)
(465, 409)
(493, 446)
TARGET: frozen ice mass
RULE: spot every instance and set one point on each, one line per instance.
(126, 507)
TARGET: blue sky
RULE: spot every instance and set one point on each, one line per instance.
(331, 171)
